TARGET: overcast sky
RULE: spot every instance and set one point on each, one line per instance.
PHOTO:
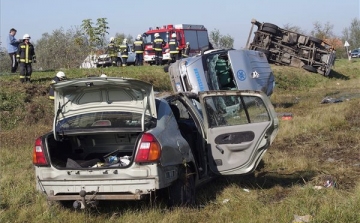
(231, 17)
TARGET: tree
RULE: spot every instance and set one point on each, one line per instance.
(322, 31)
(61, 49)
(219, 41)
(95, 34)
(352, 33)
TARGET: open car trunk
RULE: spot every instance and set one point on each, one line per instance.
(92, 150)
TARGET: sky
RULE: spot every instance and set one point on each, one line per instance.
(230, 17)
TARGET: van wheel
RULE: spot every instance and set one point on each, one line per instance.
(269, 30)
(182, 191)
(309, 68)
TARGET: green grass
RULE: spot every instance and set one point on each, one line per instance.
(320, 142)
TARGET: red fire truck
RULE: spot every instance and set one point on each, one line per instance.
(196, 35)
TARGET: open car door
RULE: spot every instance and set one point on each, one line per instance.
(240, 126)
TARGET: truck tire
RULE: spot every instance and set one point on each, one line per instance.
(270, 25)
(269, 30)
(182, 191)
(310, 68)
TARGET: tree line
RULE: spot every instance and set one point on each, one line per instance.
(68, 48)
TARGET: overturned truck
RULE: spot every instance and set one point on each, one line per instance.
(285, 47)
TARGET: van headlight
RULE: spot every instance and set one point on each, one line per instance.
(183, 67)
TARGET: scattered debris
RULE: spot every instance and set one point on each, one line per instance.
(300, 219)
(226, 201)
(328, 100)
(246, 190)
(285, 116)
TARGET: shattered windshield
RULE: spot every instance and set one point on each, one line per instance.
(98, 120)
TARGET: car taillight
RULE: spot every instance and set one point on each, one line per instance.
(39, 158)
(148, 150)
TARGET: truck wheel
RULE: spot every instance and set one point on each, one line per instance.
(182, 191)
(309, 68)
(269, 30)
(270, 25)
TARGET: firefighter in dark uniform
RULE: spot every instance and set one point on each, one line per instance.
(158, 45)
(60, 76)
(186, 50)
(25, 56)
(139, 50)
(174, 49)
(124, 49)
(112, 50)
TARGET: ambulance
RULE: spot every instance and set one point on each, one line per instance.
(196, 35)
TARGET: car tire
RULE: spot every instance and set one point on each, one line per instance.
(310, 68)
(182, 191)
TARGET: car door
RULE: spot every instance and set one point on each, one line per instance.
(239, 126)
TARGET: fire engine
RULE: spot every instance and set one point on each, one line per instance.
(196, 35)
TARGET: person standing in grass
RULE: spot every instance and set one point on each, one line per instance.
(25, 56)
(12, 48)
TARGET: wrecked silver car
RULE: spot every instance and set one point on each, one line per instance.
(112, 139)
(223, 70)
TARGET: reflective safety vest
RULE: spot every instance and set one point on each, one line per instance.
(158, 44)
(139, 46)
(112, 50)
(124, 50)
(25, 53)
(173, 45)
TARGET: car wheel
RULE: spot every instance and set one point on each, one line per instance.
(315, 40)
(309, 68)
(270, 25)
(182, 191)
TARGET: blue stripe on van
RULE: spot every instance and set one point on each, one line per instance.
(197, 75)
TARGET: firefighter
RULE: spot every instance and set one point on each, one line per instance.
(186, 51)
(139, 50)
(174, 49)
(112, 50)
(158, 45)
(60, 76)
(25, 56)
(124, 47)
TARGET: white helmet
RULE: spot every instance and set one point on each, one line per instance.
(112, 39)
(103, 75)
(125, 41)
(156, 35)
(138, 37)
(173, 35)
(187, 43)
(26, 36)
(60, 74)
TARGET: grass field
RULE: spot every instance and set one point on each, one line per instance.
(319, 144)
